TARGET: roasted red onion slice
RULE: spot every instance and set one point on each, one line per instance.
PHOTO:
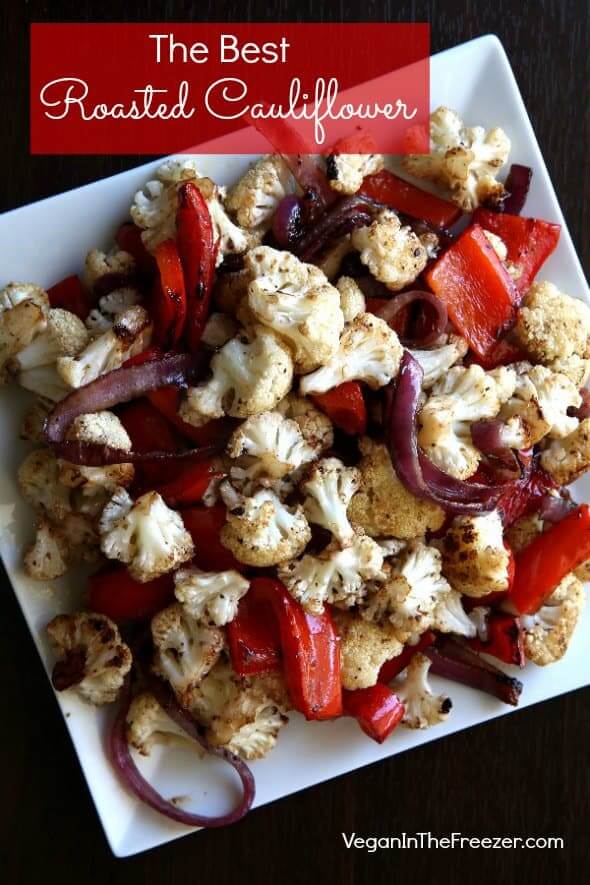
(517, 185)
(453, 660)
(487, 437)
(554, 508)
(419, 475)
(287, 224)
(121, 386)
(134, 781)
(436, 307)
(351, 212)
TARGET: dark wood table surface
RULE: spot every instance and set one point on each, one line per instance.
(524, 774)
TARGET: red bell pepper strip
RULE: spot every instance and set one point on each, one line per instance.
(546, 561)
(191, 484)
(505, 639)
(529, 241)
(70, 294)
(197, 253)
(476, 288)
(167, 401)
(502, 354)
(204, 525)
(150, 431)
(128, 238)
(116, 594)
(150, 353)
(523, 498)
(377, 710)
(391, 669)
(254, 636)
(404, 197)
(168, 296)
(310, 646)
(345, 407)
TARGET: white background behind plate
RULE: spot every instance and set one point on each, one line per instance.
(44, 242)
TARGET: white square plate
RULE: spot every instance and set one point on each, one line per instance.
(48, 240)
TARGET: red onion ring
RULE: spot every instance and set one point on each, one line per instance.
(487, 437)
(453, 660)
(111, 389)
(417, 473)
(287, 221)
(441, 318)
(133, 780)
(355, 211)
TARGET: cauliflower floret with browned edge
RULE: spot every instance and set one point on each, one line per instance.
(449, 616)
(383, 507)
(254, 199)
(129, 335)
(333, 576)
(475, 558)
(328, 489)
(552, 326)
(297, 302)
(566, 459)
(436, 362)
(523, 531)
(23, 315)
(364, 648)
(250, 374)
(92, 659)
(210, 597)
(219, 329)
(346, 172)
(411, 591)
(538, 407)
(47, 557)
(116, 264)
(393, 253)
(242, 715)
(464, 159)
(260, 530)
(548, 632)
(369, 351)
(154, 208)
(185, 650)
(269, 445)
(316, 427)
(32, 427)
(422, 707)
(103, 429)
(352, 299)
(64, 335)
(148, 724)
(38, 478)
(146, 534)
(463, 396)
(101, 318)
(574, 367)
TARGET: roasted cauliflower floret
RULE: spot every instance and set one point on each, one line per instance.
(464, 159)
(328, 490)
(369, 351)
(185, 650)
(523, 531)
(117, 263)
(538, 407)
(316, 427)
(297, 302)
(261, 530)
(254, 199)
(148, 723)
(475, 558)
(574, 367)
(269, 445)
(346, 171)
(242, 715)
(64, 335)
(145, 534)
(352, 300)
(422, 707)
(129, 335)
(392, 252)
(364, 648)
(210, 597)
(219, 329)
(101, 318)
(436, 362)
(449, 616)
(23, 315)
(548, 632)
(383, 507)
(250, 374)
(38, 478)
(552, 326)
(413, 588)
(92, 659)
(463, 396)
(566, 459)
(334, 576)
(103, 429)
(47, 557)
